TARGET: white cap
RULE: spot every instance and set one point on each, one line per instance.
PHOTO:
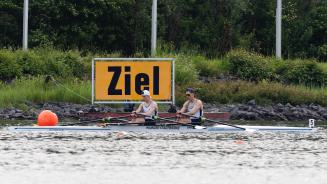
(145, 93)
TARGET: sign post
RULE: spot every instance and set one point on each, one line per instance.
(25, 25)
(279, 29)
(122, 80)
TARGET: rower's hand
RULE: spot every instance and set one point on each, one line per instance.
(178, 114)
(134, 114)
(103, 125)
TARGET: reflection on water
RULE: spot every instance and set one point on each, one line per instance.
(165, 158)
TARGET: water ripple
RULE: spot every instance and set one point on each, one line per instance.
(257, 157)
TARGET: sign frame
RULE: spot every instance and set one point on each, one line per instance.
(94, 60)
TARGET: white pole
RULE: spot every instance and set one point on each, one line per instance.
(279, 29)
(25, 25)
(154, 28)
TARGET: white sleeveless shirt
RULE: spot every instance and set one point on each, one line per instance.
(190, 106)
(146, 108)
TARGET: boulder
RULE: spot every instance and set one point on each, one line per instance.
(251, 103)
(245, 115)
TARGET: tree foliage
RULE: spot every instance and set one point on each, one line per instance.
(211, 26)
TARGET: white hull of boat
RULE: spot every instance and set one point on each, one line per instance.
(158, 129)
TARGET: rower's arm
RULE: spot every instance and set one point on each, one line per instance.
(196, 108)
(183, 110)
(139, 109)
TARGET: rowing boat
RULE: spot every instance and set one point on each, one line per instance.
(159, 129)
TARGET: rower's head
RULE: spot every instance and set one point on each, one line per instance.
(146, 95)
(190, 94)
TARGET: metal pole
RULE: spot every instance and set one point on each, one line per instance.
(154, 28)
(279, 29)
(25, 25)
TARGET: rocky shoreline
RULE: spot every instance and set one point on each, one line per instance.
(249, 111)
(277, 112)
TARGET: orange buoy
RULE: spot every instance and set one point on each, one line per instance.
(47, 118)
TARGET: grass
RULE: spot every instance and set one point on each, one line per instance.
(36, 90)
(223, 92)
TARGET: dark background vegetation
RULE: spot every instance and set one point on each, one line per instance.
(213, 27)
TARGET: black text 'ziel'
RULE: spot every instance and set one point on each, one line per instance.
(142, 81)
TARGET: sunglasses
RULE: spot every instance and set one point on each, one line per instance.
(188, 94)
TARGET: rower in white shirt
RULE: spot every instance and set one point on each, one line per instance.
(146, 110)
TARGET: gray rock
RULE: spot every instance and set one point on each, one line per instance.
(251, 103)
(244, 115)
(244, 108)
(18, 116)
(249, 111)
(18, 111)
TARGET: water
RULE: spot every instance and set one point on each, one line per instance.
(234, 158)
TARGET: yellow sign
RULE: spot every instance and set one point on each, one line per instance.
(121, 80)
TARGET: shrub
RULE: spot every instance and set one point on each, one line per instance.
(9, 68)
(55, 64)
(87, 66)
(185, 71)
(209, 68)
(73, 60)
(323, 67)
(264, 93)
(249, 66)
(304, 72)
(322, 53)
(30, 62)
(252, 67)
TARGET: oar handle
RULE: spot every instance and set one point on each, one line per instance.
(108, 119)
(140, 114)
(169, 120)
(125, 116)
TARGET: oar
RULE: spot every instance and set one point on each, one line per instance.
(125, 116)
(105, 119)
(174, 121)
(126, 123)
(187, 124)
(119, 119)
(170, 117)
(90, 121)
(82, 122)
(222, 123)
(100, 119)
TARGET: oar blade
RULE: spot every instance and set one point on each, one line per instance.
(199, 127)
(250, 130)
